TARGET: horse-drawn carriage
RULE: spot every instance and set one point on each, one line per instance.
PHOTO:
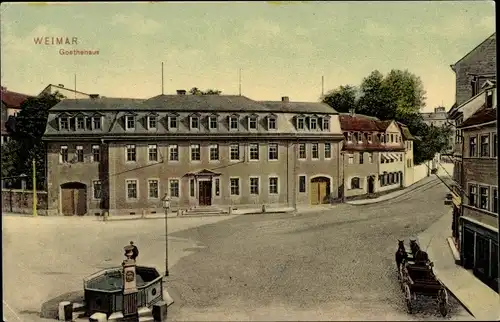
(417, 278)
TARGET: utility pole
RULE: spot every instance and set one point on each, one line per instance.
(34, 189)
(322, 85)
(240, 82)
(162, 88)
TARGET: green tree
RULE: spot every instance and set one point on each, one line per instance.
(342, 99)
(27, 141)
(197, 91)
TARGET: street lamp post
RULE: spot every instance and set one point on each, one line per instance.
(166, 242)
(34, 189)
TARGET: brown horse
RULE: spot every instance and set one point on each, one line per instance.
(401, 254)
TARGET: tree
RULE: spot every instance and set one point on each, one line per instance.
(26, 144)
(342, 99)
(197, 91)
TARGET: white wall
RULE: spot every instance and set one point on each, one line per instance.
(420, 171)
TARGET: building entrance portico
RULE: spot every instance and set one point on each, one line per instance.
(203, 181)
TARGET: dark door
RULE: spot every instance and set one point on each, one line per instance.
(468, 245)
(67, 202)
(370, 184)
(80, 199)
(205, 193)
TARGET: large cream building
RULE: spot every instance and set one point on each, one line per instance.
(123, 155)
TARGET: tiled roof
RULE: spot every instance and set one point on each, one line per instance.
(13, 99)
(362, 123)
(483, 115)
(198, 103)
(405, 132)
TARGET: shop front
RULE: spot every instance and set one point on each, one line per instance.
(479, 250)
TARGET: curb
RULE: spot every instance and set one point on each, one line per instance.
(370, 202)
(454, 250)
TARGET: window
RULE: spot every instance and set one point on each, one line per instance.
(96, 122)
(88, 123)
(400, 157)
(195, 122)
(349, 137)
(153, 189)
(273, 151)
(302, 184)
(191, 187)
(131, 189)
(152, 122)
(195, 152)
(173, 185)
(252, 122)
(217, 187)
(79, 153)
(355, 183)
(494, 207)
(214, 152)
(328, 151)
(234, 152)
(212, 122)
(357, 137)
(64, 154)
(153, 152)
(131, 157)
(485, 145)
(350, 159)
(495, 146)
(326, 124)
(472, 146)
(313, 123)
(315, 150)
(271, 123)
(392, 138)
(64, 123)
(472, 195)
(254, 186)
(233, 123)
(484, 198)
(80, 123)
(96, 153)
(96, 189)
(173, 152)
(369, 137)
(129, 122)
(300, 123)
(361, 161)
(273, 185)
(254, 151)
(302, 151)
(382, 180)
(234, 186)
(370, 157)
(172, 122)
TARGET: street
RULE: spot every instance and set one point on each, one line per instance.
(330, 265)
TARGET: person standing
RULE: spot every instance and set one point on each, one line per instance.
(166, 204)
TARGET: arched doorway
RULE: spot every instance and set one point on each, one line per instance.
(73, 199)
(320, 190)
(371, 184)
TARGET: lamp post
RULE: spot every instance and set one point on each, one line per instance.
(166, 241)
(34, 189)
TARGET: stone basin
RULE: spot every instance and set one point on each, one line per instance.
(103, 290)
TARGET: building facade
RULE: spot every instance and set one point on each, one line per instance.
(124, 155)
(11, 105)
(479, 219)
(374, 155)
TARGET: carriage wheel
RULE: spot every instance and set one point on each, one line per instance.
(443, 302)
(408, 298)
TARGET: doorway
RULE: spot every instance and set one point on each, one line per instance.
(205, 193)
(320, 190)
(371, 184)
(73, 199)
(468, 247)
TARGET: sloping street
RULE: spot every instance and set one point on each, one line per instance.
(333, 265)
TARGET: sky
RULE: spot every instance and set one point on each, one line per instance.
(282, 48)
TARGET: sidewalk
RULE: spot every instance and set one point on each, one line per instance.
(392, 195)
(480, 300)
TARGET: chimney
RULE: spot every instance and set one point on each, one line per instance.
(285, 99)
(351, 112)
(94, 96)
(181, 92)
(489, 99)
(61, 85)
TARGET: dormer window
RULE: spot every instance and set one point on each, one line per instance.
(96, 122)
(300, 123)
(64, 123)
(326, 124)
(233, 122)
(252, 122)
(369, 137)
(80, 123)
(152, 121)
(349, 137)
(194, 122)
(356, 136)
(360, 137)
(172, 121)
(212, 122)
(313, 123)
(271, 122)
(129, 122)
